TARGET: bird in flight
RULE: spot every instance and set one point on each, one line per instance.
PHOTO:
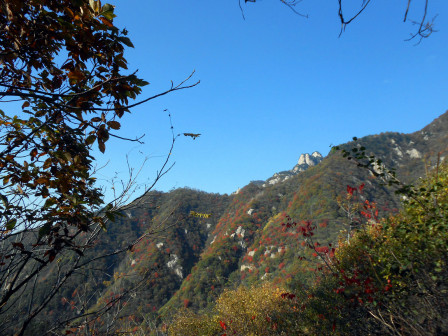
(192, 135)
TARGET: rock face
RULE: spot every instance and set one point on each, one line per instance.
(305, 161)
(175, 265)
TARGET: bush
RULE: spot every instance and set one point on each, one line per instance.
(391, 277)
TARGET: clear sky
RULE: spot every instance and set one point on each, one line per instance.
(273, 86)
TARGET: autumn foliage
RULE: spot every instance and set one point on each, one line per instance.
(388, 278)
(66, 81)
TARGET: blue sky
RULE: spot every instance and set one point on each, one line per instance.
(273, 86)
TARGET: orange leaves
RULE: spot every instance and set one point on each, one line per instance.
(6, 179)
(42, 180)
(106, 22)
(76, 76)
(33, 153)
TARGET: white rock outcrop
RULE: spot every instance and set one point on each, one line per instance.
(413, 153)
(173, 264)
(398, 151)
(245, 267)
(240, 231)
(305, 161)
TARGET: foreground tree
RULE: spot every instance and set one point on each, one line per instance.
(63, 73)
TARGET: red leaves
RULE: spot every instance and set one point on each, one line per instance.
(307, 229)
(388, 286)
(51, 255)
(351, 190)
(223, 325)
(361, 187)
(322, 249)
(18, 246)
(288, 296)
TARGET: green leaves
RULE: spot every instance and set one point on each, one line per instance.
(45, 229)
(108, 12)
(126, 41)
(11, 224)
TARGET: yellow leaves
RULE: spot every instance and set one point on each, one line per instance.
(200, 215)
(187, 323)
(95, 5)
(258, 310)
(254, 310)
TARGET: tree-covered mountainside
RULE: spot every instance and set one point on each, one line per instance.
(389, 277)
(250, 245)
(197, 246)
(172, 235)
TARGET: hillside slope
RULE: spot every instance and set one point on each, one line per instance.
(199, 244)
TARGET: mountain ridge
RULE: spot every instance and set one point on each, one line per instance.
(239, 238)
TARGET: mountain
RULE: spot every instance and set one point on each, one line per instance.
(249, 243)
(199, 244)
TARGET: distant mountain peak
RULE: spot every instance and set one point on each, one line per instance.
(305, 161)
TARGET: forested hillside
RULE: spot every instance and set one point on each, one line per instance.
(196, 245)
